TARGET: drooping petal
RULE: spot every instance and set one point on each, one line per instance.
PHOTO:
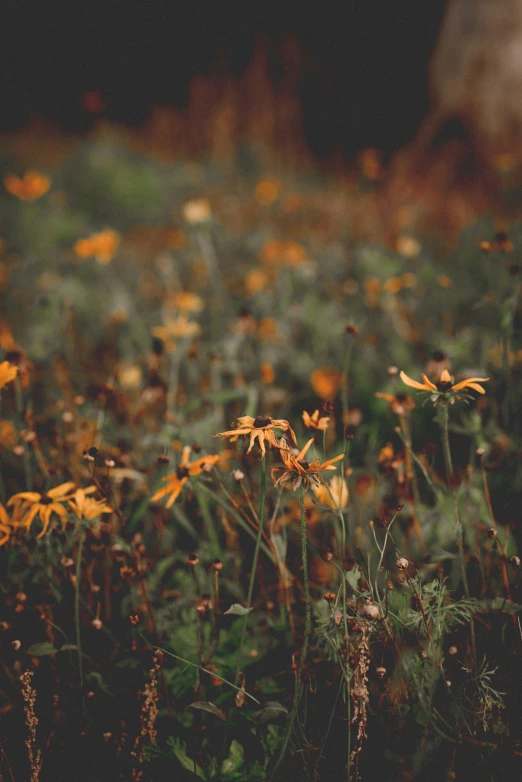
(175, 494)
(429, 385)
(328, 465)
(471, 383)
(62, 490)
(30, 496)
(302, 453)
(412, 383)
(388, 397)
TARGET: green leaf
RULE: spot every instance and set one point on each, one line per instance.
(69, 648)
(238, 610)
(42, 649)
(235, 759)
(272, 711)
(209, 707)
(179, 750)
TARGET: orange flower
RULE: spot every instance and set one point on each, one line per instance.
(445, 384)
(262, 428)
(285, 253)
(8, 434)
(267, 191)
(29, 187)
(316, 421)
(102, 246)
(326, 382)
(8, 372)
(334, 494)
(267, 373)
(400, 404)
(298, 470)
(5, 527)
(185, 470)
(29, 504)
(86, 507)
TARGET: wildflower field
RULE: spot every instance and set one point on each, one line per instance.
(260, 488)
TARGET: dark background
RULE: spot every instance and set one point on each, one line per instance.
(362, 81)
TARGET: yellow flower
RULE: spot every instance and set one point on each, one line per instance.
(334, 494)
(8, 372)
(179, 328)
(185, 470)
(86, 507)
(408, 246)
(316, 421)
(186, 302)
(5, 527)
(262, 428)
(445, 384)
(267, 191)
(29, 504)
(8, 435)
(29, 187)
(255, 281)
(298, 470)
(102, 246)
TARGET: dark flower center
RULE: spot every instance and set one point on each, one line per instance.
(45, 499)
(438, 355)
(303, 463)
(444, 385)
(261, 421)
(182, 472)
(401, 398)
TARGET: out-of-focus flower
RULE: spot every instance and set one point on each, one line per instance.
(185, 470)
(371, 163)
(408, 247)
(8, 372)
(179, 328)
(326, 382)
(267, 191)
(316, 420)
(255, 281)
(197, 211)
(267, 373)
(130, 376)
(298, 470)
(102, 246)
(444, 281)
(400, 403)
(262, 428)
(277, 252)
(31, 186)
(8, 434)
(185, 301)
(333, 494)
(29, 504)
(5, 527)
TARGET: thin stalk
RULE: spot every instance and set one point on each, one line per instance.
(254, 565)
(81, 539)
(304, 557)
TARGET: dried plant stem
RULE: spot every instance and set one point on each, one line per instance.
(31, 721)
(254, 565)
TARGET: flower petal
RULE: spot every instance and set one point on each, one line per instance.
(429, 385)
(412, 383)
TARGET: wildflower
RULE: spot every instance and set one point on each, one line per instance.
(298, 470)
(408, 246)
(326, 382)
(262, 428)
(316, 421)
(5, 528)
(267, 373)
(87, 507)
(185, 470)
(102, 246)
(330, 597)
(267, 191)
(334, 494)
(8, 372)
(185, 301)
(400, 403)
(29, 187)
(179, 328)
(29, 504)
(445, 385)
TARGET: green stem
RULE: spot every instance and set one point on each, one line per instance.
(77, 599)
(254, 565)
(448, 463)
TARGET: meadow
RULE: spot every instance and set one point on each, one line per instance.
(260, 439)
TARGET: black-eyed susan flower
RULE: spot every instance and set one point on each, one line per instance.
(30, 504)
(316, 420)
(86, 507)
(333, 494)
(8, 372)
(400, 403)
(445, 388)
(262, 428)
(185, 470)
(298, 470)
